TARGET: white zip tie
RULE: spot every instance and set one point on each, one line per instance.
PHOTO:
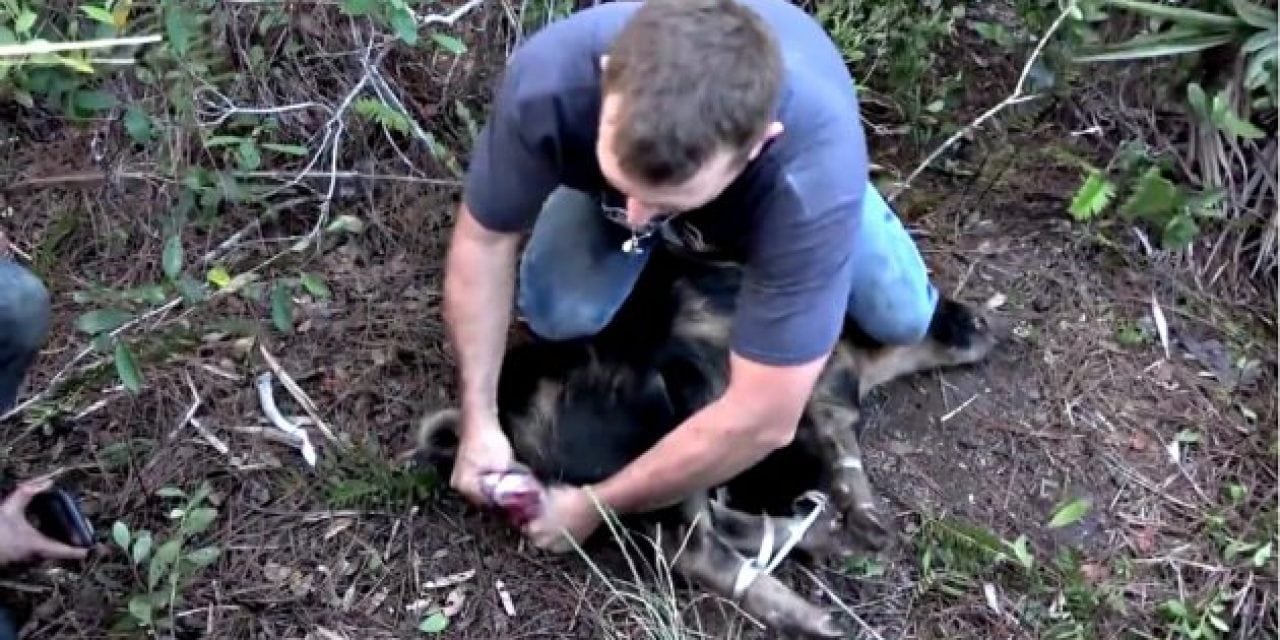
(763, 563)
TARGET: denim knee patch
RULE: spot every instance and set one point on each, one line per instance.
(891, 298)
(24, 307)
(574, 275)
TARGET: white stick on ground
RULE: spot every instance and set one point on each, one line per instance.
(266, 397)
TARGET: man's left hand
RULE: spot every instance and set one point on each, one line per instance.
(566, 511)
(21, 542)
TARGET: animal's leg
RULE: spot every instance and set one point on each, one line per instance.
(707, 559)
(958, 335)
(748, 533)
(836, 431)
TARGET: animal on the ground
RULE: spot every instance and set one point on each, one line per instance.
(578, 411)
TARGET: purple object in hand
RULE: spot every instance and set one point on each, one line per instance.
(515, 492)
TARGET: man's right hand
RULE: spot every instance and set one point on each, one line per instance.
(482, 448)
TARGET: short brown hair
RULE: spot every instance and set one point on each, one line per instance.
(695, 77)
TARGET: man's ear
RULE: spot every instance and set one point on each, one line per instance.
(772, 131)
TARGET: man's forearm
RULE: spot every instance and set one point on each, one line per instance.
(478, 289)
(706, 450)
(758, 413)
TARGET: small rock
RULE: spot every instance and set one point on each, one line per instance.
(902, 448)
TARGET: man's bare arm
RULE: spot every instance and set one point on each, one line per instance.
(758, 413)
(478, 289)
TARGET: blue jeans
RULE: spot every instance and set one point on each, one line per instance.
(24, 322)
(574, 275)
(8, 624)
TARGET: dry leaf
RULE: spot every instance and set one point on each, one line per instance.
(417, 606)
(1094, 573)
(276, 572)
(507, 605)
(453, 601)
(300, 584)
(993, 600)
(1139, 441)
(1145, 540)
(325, 634)
(338, 526)
(376, 601)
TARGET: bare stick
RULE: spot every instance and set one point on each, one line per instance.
(191, 411)
(37, 48)
(1017, 97)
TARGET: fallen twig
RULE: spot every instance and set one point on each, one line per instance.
(191, 411)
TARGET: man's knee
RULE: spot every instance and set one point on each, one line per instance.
(899, 317)
(573, 274)
(892, 298)
(561, 318)
(24, 307)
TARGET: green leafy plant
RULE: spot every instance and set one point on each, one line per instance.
(896, 51)
(166, 566)
(365, 479)
(400, 17)
(1217, 112)
(1197, 623)
(1169, 210)
(1250, 29)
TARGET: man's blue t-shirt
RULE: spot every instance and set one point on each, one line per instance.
(789, 218)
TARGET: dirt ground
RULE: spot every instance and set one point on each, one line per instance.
(1081, 401)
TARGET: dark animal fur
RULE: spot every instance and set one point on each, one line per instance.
(579, 411)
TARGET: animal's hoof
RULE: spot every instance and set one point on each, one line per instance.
(829, 627)
(825, 538)
(825, 624)
(868, 529)
(861, 518)
(787, 613)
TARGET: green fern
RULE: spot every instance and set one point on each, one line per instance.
(383, 114)
(1154, 198)
(1092, 197)
(963, 547)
